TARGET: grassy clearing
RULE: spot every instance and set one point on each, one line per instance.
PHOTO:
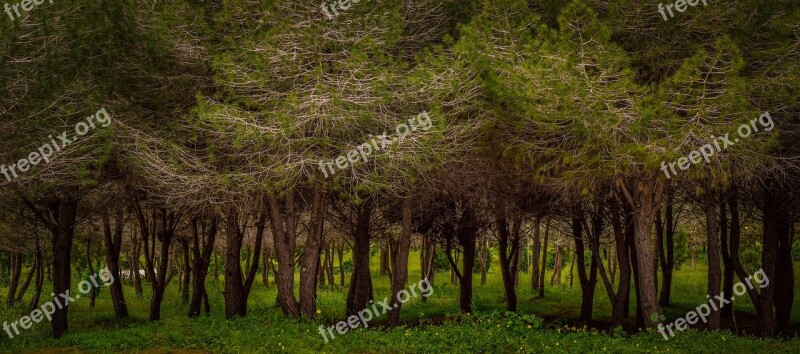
(434, 326)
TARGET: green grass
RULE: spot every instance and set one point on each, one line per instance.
(265, 329)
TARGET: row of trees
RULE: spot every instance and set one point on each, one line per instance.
(542, 110)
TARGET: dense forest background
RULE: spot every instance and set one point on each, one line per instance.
(580, 172)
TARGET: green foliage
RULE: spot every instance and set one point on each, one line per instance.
(796, 251)
(751, 256)
(681, 249)
(551, 259)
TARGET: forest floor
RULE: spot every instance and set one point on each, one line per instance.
(543, 325)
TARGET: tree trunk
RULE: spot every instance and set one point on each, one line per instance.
(713, 244)
(588, 281)
(27, 283)
(340, 253)
(360, 292)
(535, 253)
(777, 258)
(65, 213)
(727, 276)
(509, 237)
(201, 237)
(113, 247)
(483, 251)
(187, 271)
(668, 266)
(544, 258)
(161, 226)
(237, 284)
(283, 217)
(400, 268)
(621, 305)
(555, 279)
(310, 266)
(135, 257)
(15, 268)
(644, 198)
(39, 264)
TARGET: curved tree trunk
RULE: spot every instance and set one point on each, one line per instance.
(113, 247)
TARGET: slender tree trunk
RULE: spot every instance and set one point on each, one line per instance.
(509, 245)
(727, 276)
(713, 244)
(283, 217)
(621, 305)
(113, 247)
(65, 213)
(39, 265)
(777, 258)
(360, 291)
(204, 237)
(310, 266)
(483, 251)
(544, 258)
(588, 281)
(400, 268)
(27, 282)
(237, 284)
(340, 253)
(669, 261)
(535, 253)
(15, 268)
(186, 272)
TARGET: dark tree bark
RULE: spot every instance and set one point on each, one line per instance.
(311, 254)
(713, 248)
(777, 258)
(283, 223)
(27, 282)
(15, 268)
(61, 224)
(113, 246)
(621, 302)
(588, 281)
(535, 254)
(135, 258)
(93, 290)
(668, 263)
(727, 276)
(400, 268)
(340, 254)
(160, 226)
(483, 252)
(237, 285)
(508, 242)
(544, 258)
(644, 197)
(39, 265)
(466, 232)
(204, 233)
(186, 272)
(360, 292)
